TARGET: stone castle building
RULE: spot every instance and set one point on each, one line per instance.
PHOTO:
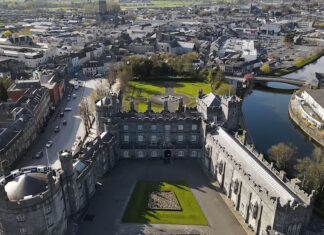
(264, 197)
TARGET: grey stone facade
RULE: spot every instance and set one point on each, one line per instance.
(264, 197)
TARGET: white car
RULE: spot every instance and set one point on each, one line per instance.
(49, 144)
(68, 109)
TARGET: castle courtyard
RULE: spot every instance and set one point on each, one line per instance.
(105, 212)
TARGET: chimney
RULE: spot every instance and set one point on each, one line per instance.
(132, 106)
(166, 109)
(180, 107)
(149, 106)
(200, 94)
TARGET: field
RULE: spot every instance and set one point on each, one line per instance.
(140, 92)
(137, 211)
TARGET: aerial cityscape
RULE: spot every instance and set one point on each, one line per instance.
(162, 117)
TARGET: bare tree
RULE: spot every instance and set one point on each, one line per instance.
(112, 74)
(85, 113)
(125, 74)
(281, 154)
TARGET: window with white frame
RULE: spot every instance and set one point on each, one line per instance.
(140, 127)
(180, 138)
(194, 153)
(154, 154)
(126, 138)
(193, 138)
(180, 127)
(125, 127)
(167, 127)
(20, 218)
(140, 154)
(126, 154)
(140, 138)
(167, 138)
(153, 127)
(194, 127)
(180, 153)
(153, 139)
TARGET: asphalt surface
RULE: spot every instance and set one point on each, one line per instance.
(66, 137)
(107, 206)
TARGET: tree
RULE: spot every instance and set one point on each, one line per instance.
(113, 7)
(112, 74)
(281, 154)
(289, 39)
(3, 93)
(299, 61)
(84, 110)
(124, 75)
(311, 173)
(265, 68)
(7, 33)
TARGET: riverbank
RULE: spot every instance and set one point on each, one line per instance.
(307, 61)
(312, 132)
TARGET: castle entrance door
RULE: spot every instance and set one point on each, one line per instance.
(167, 155)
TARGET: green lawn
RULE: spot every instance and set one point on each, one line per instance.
(141, 91)
(137, 211)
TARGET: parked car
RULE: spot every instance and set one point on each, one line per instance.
(49, 144)
(68, 98)
(57, 129)
(39, 155)
(64, 122)
(68, 109)
(61, 114)
(74, 96)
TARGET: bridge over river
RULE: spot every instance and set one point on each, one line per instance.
(295, 82)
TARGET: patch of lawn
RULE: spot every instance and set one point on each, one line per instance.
(138, 212)
(140, 92)
(191, 89)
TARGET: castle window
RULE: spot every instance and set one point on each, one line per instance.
(154, 154)
(181, 153)
(167, 138)
(255, 210)
(126, 138)
(167, 127)
(125, 127)
(140, 154)
(140, 138)
(193, 138)
(153, 127)
(140, 127)
(153, 139)
(180, 138)
(125, 154)
(180, 127)
(20, 218)
(23, 231)
(194, 153)
(236, 186)
(194, 127)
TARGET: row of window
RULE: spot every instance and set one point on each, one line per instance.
(167, 127)
(141, 154)
(154, 138)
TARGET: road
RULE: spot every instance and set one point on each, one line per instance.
(67, 135)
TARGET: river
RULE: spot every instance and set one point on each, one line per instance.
(265, 113)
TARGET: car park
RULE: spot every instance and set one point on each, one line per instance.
(49, 144)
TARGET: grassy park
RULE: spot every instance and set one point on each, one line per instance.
(141, 91)
(137, 210)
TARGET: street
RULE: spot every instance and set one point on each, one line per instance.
(68, 133)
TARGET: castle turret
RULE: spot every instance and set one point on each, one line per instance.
(149, 106)
(180, 107)
(165, 106)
